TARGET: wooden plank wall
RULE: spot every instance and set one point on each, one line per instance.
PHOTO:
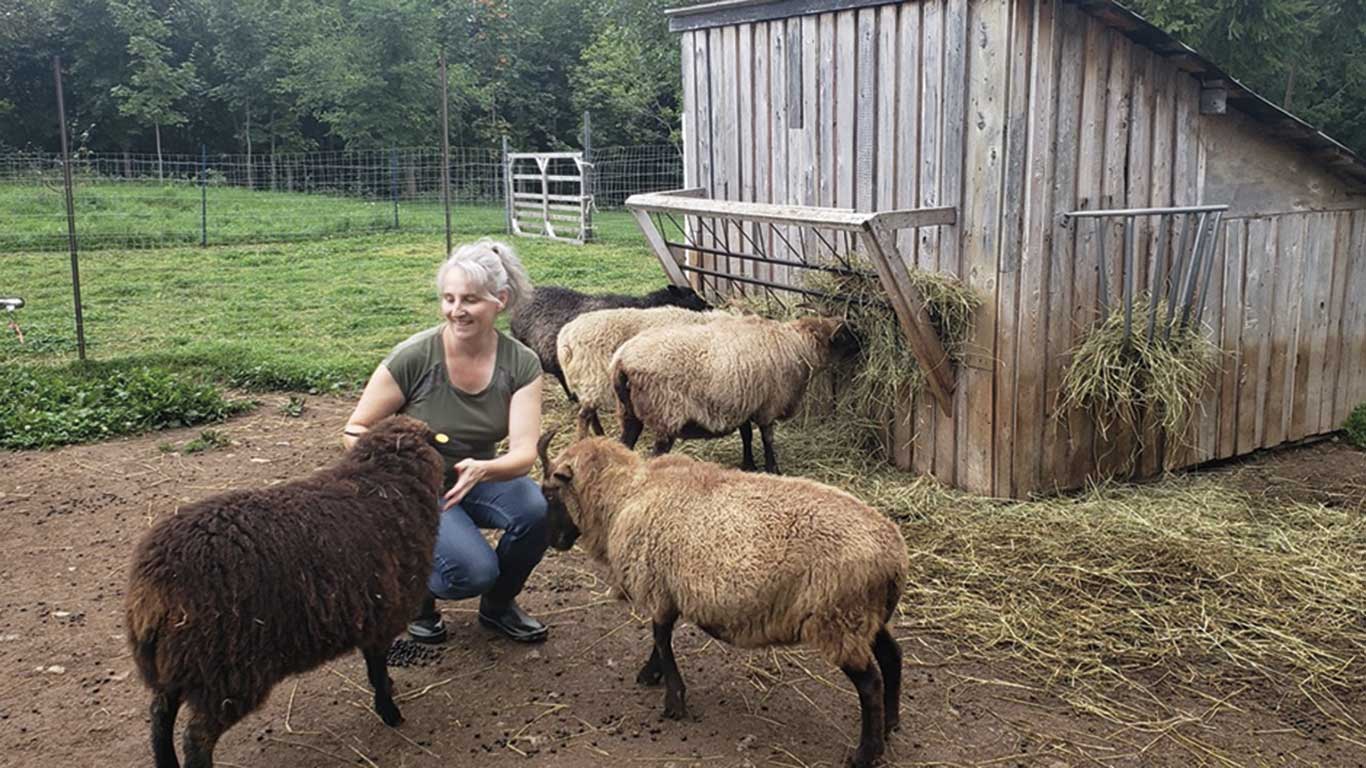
(1018, 111)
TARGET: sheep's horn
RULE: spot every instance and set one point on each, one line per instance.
(542, 446)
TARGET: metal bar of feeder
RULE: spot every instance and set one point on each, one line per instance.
(1193, 271)
(1213, 247)
(1104, 272)
(1187, 209)
(767, 284)
(771, 260)
(1157, 278)
(1128, 277)
(1178, 268)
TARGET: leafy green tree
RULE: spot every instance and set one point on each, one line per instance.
(633, 98)
(155, 86)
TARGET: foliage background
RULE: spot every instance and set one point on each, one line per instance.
(290, 75)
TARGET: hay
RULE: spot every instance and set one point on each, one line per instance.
(1122, 601)
(1120, 381)
(864, 391)
(1124, 593)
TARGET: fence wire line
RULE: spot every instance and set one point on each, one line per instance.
(140, 200)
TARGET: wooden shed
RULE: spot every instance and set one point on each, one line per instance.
(1015, 114)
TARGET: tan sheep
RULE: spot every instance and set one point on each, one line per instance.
(752, 560)
(585, 347)
(707, 380)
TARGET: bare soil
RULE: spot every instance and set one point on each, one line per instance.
(68, 694)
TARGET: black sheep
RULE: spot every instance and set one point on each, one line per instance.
(238, 591)
(537, 323)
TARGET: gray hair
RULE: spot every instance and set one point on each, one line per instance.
(493, 266)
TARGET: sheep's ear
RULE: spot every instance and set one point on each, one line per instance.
(674, 290)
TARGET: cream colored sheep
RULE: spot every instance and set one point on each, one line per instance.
(586, 344)
(752, 560)
(707, 380)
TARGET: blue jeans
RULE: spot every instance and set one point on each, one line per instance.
(464, 565)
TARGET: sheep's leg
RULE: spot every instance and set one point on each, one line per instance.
(201, 736)
(868, 681)
(651, 673)
(376, 666)
(770, 456)
(888, 655)
(663, 445)
(165, 705)
(596, 423)
(674, 706)
(747, 445)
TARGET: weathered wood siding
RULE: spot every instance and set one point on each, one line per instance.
(1018, 111)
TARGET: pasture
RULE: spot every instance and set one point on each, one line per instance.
(1214, 618)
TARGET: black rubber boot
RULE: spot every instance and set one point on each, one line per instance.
(428, 626)
(511, 620)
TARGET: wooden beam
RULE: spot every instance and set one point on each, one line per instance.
(730, 12)
(657, 244)
(880, 244)
(923, 217)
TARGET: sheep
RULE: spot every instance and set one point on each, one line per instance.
(237, 591)
(537, 323)
(586, 344)
(752, 560)
(705, 381)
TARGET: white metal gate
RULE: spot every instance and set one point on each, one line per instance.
(549, 195)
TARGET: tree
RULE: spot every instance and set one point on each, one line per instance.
(155, 86)
(622, 85)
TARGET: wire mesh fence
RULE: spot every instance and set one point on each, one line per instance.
(128, 200)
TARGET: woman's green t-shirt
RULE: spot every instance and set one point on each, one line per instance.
(474, 422)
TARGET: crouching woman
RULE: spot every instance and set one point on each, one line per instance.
(477, 385)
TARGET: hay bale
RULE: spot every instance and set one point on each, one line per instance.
(1119, 380)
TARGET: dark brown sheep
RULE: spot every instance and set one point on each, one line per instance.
(238, 591)
(537, 323)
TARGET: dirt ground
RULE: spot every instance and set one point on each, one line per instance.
(68, 693)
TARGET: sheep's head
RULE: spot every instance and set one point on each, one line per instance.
(406, 439)
(582, 488)
(557, 481)
(685, 297)
(836, 334)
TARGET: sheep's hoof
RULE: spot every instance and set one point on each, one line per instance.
(749, 467)
(674, 708)
(863, 758)
(892, 724)
(649, 675)
(388, 712)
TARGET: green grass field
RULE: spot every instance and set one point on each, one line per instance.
(318, 313)
(143, 214)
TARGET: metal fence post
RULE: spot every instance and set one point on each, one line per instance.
(508, 187)
(203, 195)
(70, 211)
(589, 174)
(393, 182)
(445, 155)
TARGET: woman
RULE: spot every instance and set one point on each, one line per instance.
(477, 385)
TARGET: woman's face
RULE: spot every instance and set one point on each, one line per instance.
(468, 309)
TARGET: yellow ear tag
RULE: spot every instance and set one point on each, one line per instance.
(441, 438)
